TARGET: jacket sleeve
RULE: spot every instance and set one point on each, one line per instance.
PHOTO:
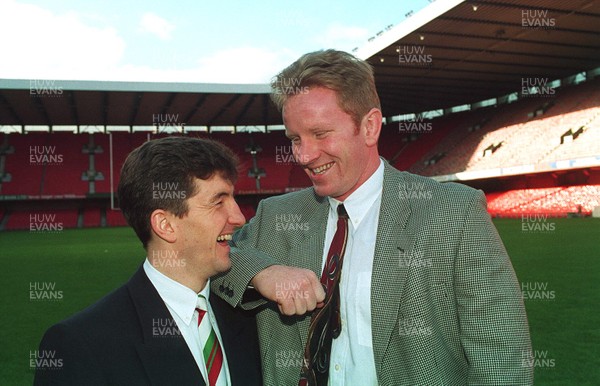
(493, 323)
(64, 359)
(246, 262)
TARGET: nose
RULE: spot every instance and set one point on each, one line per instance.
(305, 152)
(236, 217)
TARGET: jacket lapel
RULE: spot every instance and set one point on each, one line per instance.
(388, 276)
(163, 351)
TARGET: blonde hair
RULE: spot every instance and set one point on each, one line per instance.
(351, 78)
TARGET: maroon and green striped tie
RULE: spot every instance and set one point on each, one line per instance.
(211, 349)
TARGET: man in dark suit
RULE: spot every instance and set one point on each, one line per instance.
(163, 327)
(426, 295)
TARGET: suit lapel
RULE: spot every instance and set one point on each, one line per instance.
(388, 276)
(163, 351)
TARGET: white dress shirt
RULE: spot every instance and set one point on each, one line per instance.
(352, 358)
(181, 303)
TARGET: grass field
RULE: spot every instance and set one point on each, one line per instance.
(559, 269)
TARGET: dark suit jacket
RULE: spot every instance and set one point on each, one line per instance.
(122, 340)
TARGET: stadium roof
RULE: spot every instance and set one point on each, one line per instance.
(469, 51)
(451, 53)
(57, 102)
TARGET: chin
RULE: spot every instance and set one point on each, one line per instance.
(328, 192)
(323, 190)
(224, 265)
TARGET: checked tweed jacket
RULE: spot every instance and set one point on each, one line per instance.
(439, 265)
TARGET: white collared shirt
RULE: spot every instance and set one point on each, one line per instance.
(181, 303)
(352, 358)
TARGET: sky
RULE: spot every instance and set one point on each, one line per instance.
(194, 41)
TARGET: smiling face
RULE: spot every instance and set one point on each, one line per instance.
(337, 155)
(202, 234)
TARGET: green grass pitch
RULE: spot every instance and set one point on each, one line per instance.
(558, 266)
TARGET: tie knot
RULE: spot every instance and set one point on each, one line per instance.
(201, 303)
(341, 211)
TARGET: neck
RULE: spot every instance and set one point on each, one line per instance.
(173, 265)
(371, 167)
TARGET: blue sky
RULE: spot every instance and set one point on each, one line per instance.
(181, 40)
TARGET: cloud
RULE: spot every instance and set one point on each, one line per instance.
(245, 64)
(235, 65)
(156, 25)
(343, 37)
(42, 44)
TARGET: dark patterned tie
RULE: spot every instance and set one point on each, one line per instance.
(326, 323)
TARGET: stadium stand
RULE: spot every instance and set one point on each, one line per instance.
(414, 146)
(92, 217)
(275, 158)
(123, 143)
(115, 218)
(563, 127)
(556, 202)
(25, 178)
(43, 221)
(64, 177)
(511, 130)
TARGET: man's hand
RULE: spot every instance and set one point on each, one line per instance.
(296, 290)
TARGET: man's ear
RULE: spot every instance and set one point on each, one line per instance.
(162, 226)
(372, 124)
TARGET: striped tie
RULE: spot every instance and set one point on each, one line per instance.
(211, 349)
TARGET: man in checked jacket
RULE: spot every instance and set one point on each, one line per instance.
(428, 295)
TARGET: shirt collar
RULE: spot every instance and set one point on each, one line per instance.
(360, 201)
(181, 299)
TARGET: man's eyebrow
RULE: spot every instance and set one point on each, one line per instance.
(312, 130)
(219, 195)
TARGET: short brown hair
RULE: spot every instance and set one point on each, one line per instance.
(351, 78)
(160, 175)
